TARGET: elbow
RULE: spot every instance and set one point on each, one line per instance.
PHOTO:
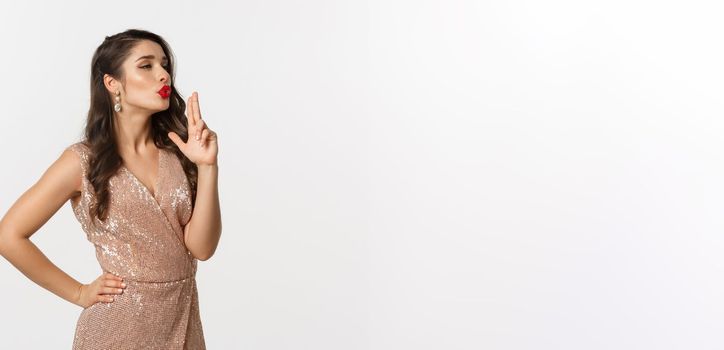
(202, 251)
(7, 244)
(9, 238)
(3, 240)
(2, 244)
(204, 256)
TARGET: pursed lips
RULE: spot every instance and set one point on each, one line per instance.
(164, 91)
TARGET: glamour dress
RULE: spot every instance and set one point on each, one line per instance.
(142, 242)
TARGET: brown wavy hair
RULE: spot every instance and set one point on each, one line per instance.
(104, 160)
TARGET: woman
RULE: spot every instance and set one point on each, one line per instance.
(146, 199)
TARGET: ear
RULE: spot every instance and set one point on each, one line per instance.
(112, 85)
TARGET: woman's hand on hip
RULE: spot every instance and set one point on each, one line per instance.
(100, 290)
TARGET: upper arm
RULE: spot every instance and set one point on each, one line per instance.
(59, 183)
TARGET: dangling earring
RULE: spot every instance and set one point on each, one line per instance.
(117, 106)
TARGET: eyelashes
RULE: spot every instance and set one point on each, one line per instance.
(149, 66)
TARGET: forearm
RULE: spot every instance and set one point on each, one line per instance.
(205, 225)
(27, 258)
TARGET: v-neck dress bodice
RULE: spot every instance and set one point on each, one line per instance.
(158, 174)
(141, 241)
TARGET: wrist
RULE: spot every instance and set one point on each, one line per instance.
(78, 294)
(206, 167)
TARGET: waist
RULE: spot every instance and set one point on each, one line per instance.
(134, 280)
(129, 280)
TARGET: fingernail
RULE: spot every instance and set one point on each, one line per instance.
(123, 285)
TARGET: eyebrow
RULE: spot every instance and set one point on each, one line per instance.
(151, 57)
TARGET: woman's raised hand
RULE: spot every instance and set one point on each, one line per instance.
(201, 146)
(100, 290)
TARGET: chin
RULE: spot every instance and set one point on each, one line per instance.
(164, 106)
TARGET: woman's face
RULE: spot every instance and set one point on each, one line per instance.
(145, 75)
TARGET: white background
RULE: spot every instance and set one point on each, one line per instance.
(412, 174)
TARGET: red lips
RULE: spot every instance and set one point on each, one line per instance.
(165, 91)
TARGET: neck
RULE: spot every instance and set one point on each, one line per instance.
(133, 132)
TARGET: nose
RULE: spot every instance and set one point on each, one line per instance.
(165, 77)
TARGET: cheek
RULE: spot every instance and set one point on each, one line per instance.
(138, 88)
(140, 77)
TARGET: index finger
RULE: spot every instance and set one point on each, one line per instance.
(111, 274)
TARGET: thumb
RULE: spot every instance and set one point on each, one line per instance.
(176, 139)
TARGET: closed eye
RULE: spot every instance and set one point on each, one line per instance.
(149, 66)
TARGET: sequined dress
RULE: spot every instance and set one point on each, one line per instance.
(141, 241)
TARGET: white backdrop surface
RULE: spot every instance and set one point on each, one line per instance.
(412, 174)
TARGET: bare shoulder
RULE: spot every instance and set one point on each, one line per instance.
(69, 166)
(60, 182)
(63, 178)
